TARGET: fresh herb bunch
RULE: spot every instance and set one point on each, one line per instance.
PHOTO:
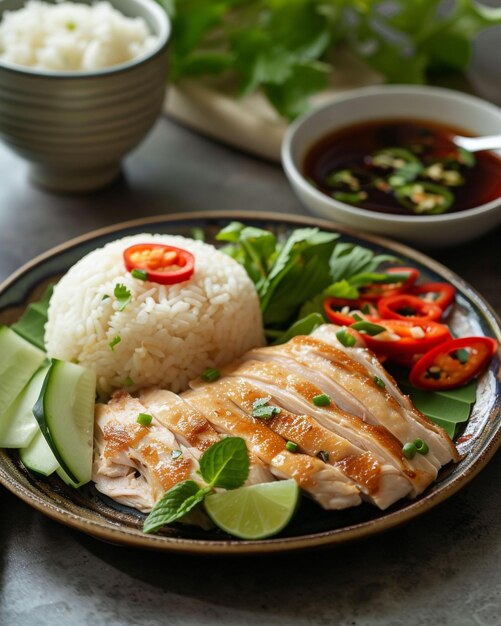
(286, 48)
(294, 277)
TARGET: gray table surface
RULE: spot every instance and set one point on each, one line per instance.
(443, 568)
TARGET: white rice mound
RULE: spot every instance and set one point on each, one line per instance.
(168, 333)
(71, 36)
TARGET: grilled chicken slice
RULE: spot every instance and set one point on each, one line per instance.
(192, 429)
(379, 483)
(412, 423)
(325, 483)
(133, 464)
(295, 393)
(351, 386)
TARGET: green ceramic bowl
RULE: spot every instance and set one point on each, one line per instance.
(75, 127)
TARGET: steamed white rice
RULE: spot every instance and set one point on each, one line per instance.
(168, 333)
(71, 36)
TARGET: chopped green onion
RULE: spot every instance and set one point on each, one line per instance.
(350, 198)
(379, 382)
(139, 274)
(144, 419)
(409, 450)
(291, 446)
(128, 382)
(210, 374)
(116, 340)
(323, 455)
(176, 454)
(368, 328)
(105, 297)
(321, 400)
(421, 446)
(346, 338)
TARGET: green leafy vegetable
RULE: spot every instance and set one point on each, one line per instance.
(225, 465)
(303, 326)
(123, 296)
(262, 410)
(288, 49)
(115, 341)
(31, 325)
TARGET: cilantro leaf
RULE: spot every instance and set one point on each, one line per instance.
(123, 296)
(226, 463)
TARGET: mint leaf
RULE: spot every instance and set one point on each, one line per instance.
(174, 504)
(226, 463)
(123, 296)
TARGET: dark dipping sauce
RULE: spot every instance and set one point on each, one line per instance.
(404, 167)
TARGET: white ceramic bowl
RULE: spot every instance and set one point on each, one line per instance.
(75, 127)
(432, 104)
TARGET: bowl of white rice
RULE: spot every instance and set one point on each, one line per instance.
(81, 84)
(166, 335)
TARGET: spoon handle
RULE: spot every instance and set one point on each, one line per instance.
(475, 144)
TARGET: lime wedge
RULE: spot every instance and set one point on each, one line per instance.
(254, 512)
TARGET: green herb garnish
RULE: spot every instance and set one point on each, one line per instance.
(139, 274)
(123, 296)
(291, 446)
(115, 341)
(262, 410)
(321, 400)
(409, 450)
(224, 465)
(379, 382)
(281, 48)
(421, 446)
(210, 374)
(128, 382)
(144, 419)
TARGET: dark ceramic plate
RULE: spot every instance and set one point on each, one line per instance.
(92, 513)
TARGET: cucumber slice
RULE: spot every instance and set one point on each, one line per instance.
(18, 425)
(65, 413)
(20, 360)
(38, 456)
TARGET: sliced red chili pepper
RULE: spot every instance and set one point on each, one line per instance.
(453, 363)
(163, 264)
(375, 291)
(407, 307)
(406, 340)
(441, 294)
(335, 309)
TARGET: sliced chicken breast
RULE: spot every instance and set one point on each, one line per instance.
(296, 394)
(134, 464)
(325, 483)
(379, 483)
(437, 439)
(192, 429)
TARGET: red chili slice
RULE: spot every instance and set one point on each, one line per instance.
(162, 264)
(334, 309)
(407, 307)
(453, 363)
(441, 294)
(410, 339)
(375, 291)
